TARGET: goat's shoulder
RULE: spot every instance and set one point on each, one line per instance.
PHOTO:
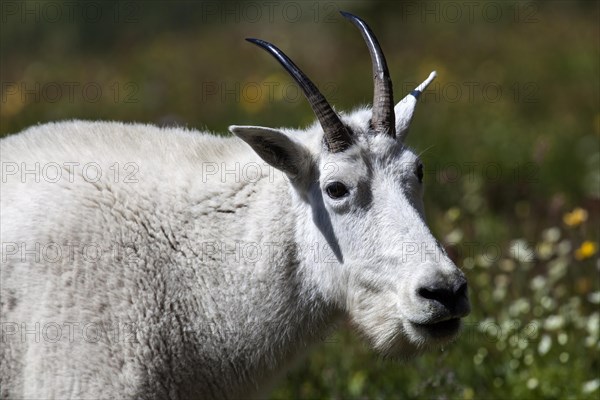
(99, 140)
(67, 173)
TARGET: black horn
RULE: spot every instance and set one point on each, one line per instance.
(383, 119)
(336, 136)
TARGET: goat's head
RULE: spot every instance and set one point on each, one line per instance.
(362, 189)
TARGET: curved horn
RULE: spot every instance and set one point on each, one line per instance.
(337, 137)
(383, 119)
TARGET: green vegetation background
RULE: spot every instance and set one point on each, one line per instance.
(510, 135)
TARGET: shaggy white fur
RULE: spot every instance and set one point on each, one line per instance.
(140, 262)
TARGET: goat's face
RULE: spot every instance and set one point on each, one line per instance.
(399, 287)
(361, 189)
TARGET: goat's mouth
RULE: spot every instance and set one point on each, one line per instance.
(441, 330)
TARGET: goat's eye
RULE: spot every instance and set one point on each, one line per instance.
(419, 172)
(336, 190)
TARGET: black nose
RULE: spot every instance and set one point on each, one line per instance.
(452, 296)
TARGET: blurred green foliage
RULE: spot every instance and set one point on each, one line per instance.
(509, 132)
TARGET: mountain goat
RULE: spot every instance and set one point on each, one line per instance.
(168, 263)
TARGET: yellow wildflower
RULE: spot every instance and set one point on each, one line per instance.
(468, 393)
(586, 250)
(575, 217)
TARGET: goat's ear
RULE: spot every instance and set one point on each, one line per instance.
(405, 108)
(275, 148)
